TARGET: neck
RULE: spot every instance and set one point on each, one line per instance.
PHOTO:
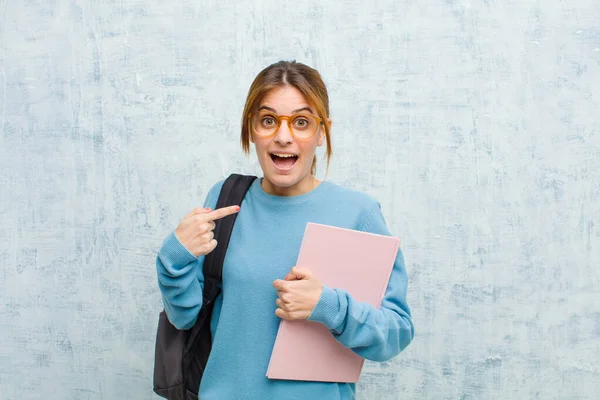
(305, 185)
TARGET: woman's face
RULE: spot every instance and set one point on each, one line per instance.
(286, 160)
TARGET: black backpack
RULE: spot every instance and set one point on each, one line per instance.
(181, 355)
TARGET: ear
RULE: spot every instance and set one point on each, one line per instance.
(251, 137)
(321, 139)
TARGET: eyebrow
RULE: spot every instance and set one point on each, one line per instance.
(293, 112)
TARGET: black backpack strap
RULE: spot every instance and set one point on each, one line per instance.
(232, 193)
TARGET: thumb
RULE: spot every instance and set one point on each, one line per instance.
(298, 274)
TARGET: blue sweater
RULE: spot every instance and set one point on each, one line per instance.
(264, 246)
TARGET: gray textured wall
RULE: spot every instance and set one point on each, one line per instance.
(475, 123)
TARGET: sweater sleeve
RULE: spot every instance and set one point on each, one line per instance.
(180, 276)
(377, 334)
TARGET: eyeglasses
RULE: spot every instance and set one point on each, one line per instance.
(302, 125)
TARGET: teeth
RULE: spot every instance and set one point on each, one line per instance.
(284, 155)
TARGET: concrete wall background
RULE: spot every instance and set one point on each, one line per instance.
(475, 123)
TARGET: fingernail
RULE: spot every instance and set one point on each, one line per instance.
(237, 208)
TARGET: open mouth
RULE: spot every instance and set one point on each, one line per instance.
(284, 161)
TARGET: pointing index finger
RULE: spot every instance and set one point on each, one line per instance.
(222, 212)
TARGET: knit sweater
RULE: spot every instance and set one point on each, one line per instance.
(264, 246)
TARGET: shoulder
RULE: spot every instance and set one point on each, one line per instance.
(359, 204)
(352, 196)
(216, 188)
(213, 194)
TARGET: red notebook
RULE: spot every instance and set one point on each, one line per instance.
(358, 262)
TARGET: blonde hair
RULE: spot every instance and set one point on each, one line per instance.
(304, 78)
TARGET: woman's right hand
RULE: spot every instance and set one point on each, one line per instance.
(195, 231)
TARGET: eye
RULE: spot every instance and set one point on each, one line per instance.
(301, 122)
(268, 121)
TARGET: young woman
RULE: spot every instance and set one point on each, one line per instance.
(286, 117)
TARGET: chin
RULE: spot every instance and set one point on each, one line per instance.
(283, 181)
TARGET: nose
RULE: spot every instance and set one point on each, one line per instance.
(284, 136)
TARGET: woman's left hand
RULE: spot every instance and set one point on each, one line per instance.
(298, 294)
